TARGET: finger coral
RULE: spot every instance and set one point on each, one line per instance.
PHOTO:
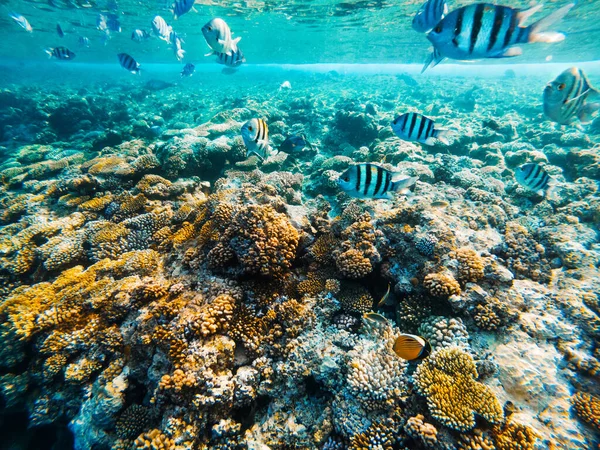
(448, 381)
(470, 265)
(417, 428)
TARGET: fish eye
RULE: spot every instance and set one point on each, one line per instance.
(561, 86)
(395, 121)
(437, 29)
(209, 28)
(250, 128)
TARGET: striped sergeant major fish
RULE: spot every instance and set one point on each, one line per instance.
(255, 134)
(161, 29)
(235, 59)
(138, 35)
(414, 127)
(218, 37)
(366, 180)
(22, 21)
(533, 177)
(62, 53)
(180, 7)
(568, 97)
(176, 42)
(84, 41)
(483, 30)
(188, 70)
(429, 15)
(128, 63)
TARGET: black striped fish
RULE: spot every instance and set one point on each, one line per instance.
(188, 70)
(218, 37)
(61, 53)
(566, 99)
(255, 133)
(128, 63)
(235, 59)
(180, 7)
(533, 177)
(138, 35)
(429, 15)
(161, 29)
(368, 180)
(84, 41)
(411, 347)
(414, 127)
(483, 30)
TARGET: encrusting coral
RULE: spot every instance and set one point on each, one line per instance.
(448, 380)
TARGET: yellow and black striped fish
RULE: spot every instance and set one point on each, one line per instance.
(411, 347)
(255, 133)
(368, 180)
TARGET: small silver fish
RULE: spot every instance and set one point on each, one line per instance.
(368, 180)
(375, 318)
(385, 297)
(176, 42)
(22, 21)
(569, 96)
(84, 41)
(138, 35)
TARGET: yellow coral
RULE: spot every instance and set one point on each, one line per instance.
(448, 380)
(441, 284)
(514, 436)
(587, 407)
(154, 440)
(353, 264)
(417, 428)
(470, 265)
(96, 204)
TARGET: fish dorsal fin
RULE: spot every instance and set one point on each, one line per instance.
(525, 14)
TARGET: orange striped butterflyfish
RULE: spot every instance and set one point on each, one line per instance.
(411, 347)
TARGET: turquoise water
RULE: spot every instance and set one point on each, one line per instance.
(175, 274)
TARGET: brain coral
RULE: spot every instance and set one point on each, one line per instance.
(448, 380)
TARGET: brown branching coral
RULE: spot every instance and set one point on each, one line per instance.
(525, 256)
(587, 407)
(358, 253)
(470, 265)
(448, 381)
(441, 284)
(417, 428)
(514, 436)
(153, 440)
(353, 264)
(263, 240)
(379, 436)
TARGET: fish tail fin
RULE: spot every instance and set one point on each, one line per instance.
(49, 52)
(442, 135)
(180, 54)
(236, 40)
(588, 112)
(434, 59)
(536, 31)
(401, 183)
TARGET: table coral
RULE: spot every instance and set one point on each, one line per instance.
(448, 381)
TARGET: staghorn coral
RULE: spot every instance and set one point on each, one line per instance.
(441, 284)
(587, 407)
(470, 265)
(448, 381)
